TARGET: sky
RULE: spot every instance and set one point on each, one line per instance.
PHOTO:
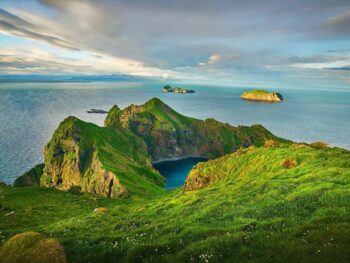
(271, 43)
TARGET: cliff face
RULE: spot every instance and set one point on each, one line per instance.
(98, 160)
(169, 134)
(262, 96)
(30, 178)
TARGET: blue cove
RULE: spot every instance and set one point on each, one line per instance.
(176, 171)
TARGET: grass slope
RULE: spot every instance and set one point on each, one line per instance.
(256, 210)
(258, 92)
(169, 134)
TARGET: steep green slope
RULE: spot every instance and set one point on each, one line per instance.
(110, 163)
(169, 134)
(30, 178)
(258, 208)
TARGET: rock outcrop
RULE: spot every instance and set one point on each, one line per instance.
(98, 160)
(262, 95)
(30, 178)
(177, 90)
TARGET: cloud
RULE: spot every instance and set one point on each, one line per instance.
(27, 60)
(214, 59)
(38, 61)
(179, 38)
(323, 62)
(229, 59)
(8, 23)
(340, 23)
(346, 68)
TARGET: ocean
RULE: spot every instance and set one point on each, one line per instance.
(30, 112)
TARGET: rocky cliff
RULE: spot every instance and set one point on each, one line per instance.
(262, 95)
(177, 90)
(113, 164)
(30, 178)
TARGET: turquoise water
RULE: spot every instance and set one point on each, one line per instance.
(176, 171)
(29, 113)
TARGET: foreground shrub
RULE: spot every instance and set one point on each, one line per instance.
(289, 163)
(32, 247)
(298, 145)
(75, 190)
(319, 145)
(271, 143)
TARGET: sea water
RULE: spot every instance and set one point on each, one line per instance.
(30, 112)
(176, 171)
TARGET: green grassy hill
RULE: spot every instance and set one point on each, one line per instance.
(169, 134)
(99, 160)
(115, 161)
(257, 207)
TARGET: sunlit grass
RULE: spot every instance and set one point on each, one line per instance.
(255, 210)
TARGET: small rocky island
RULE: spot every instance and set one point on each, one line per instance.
(97, 111)
(262, 95)
(168, 88)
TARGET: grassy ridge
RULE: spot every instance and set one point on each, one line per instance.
(256, 211)
(169, 134)
(257, 91)
(115, 160)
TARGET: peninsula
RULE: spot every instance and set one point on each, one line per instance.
(97, 197)
(262, 95)
(168, 88)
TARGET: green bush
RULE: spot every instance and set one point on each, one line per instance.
(319, 145)
(75, 190)
(289, 163)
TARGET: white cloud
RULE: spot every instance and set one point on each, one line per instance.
(95, 61)
(323, 65)
(214, 59)
(35, 60)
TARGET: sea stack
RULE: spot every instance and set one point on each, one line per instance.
(262, 95)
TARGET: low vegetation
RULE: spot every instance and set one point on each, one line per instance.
(319, 145)
(252, 210)
(289, 163)
(32, 247)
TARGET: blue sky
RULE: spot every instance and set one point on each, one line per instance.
(239, 43)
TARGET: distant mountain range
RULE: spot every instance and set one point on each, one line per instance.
(68, 78)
